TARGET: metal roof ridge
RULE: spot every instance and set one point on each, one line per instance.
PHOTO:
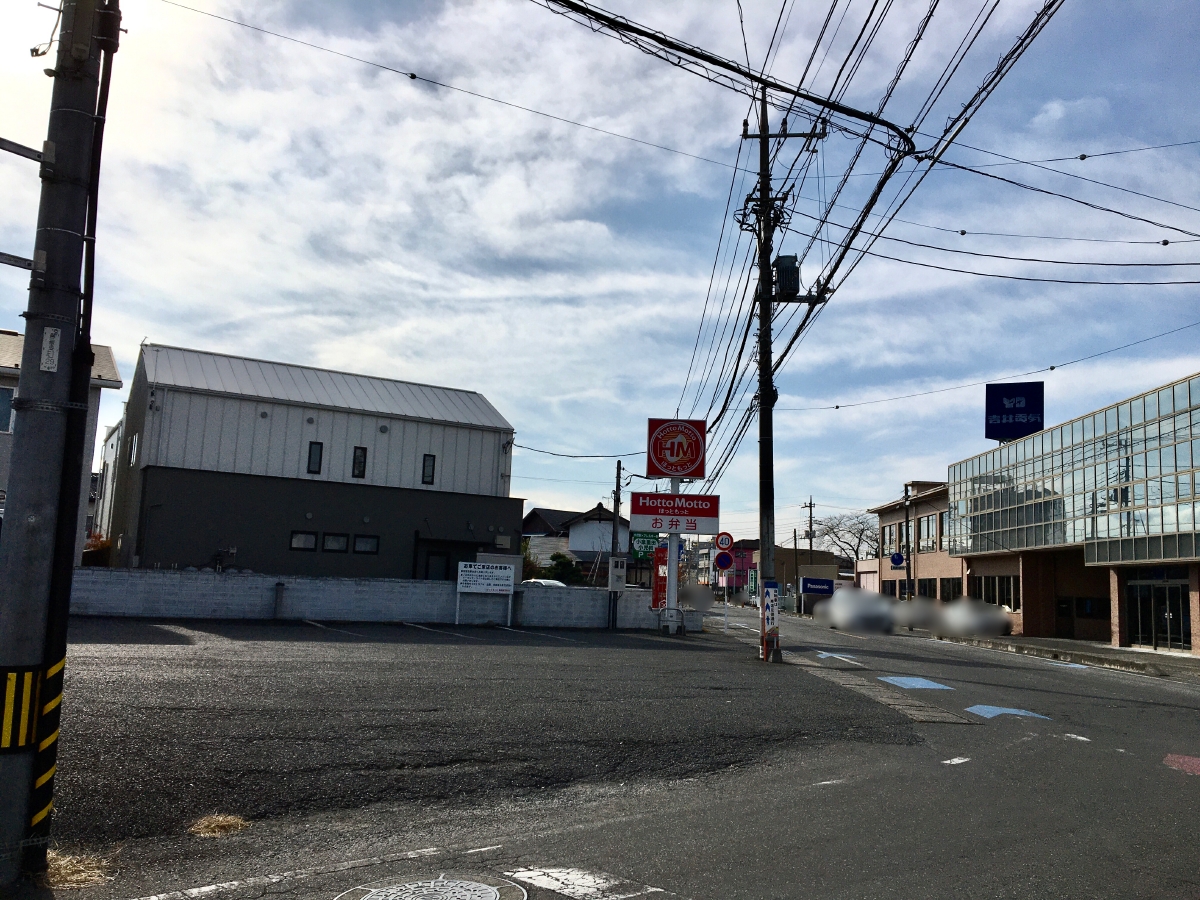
(275, 362)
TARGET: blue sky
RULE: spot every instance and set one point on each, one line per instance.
(267, 199)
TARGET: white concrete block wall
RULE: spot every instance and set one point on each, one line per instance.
(212, 595)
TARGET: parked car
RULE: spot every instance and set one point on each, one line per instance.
(545, 582)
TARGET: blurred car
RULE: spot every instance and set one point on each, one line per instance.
(853, 609)
(920, 612)
(545, 582)
(972, 618)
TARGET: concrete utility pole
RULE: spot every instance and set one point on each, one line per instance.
(613, 596)
(766, 384)
(810, 529)
(907, 545)
(38, 545)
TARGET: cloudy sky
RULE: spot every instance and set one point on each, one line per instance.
(263, 198)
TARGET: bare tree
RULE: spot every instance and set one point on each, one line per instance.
(853, 535)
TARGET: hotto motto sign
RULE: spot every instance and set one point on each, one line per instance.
(675, 448)
(675, 513)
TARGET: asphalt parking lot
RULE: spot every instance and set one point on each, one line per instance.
(601, 766)
(166, 721)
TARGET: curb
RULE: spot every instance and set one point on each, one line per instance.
(1158, 668)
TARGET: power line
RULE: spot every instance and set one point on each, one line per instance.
(1009, 257)
(927, 265)
(959, 387)
(450, 87)
(1047, 191)
(581, 455)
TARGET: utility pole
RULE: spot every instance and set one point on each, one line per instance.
(796, 567)
(766, 390)
(907, 545)
(614, 595)
(810, 529)
(38, 546)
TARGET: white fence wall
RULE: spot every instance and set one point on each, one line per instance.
(145, 593)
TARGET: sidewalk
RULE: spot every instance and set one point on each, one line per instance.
(1091, 653)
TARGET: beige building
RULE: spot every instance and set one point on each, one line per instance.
(104, 375)
(915, 526)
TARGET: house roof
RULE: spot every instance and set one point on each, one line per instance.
(598, 513)
(104, 369)
(924, 490)
(217, 373)
(554, 519)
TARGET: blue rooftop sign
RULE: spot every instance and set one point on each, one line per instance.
(1014, 410)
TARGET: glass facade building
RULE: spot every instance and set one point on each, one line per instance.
(1122, 482)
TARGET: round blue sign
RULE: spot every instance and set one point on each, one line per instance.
(723, 560)
(897, 559)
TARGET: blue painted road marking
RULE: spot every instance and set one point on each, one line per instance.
(834, 655)
(915, 684)
(990, 712)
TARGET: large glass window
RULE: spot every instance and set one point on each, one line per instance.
(927, 534)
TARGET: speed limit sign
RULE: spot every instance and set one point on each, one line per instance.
(724, 541)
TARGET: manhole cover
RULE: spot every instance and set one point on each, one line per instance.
(436, 889)
(442, 886)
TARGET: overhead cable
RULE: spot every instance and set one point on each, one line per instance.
(959, 387)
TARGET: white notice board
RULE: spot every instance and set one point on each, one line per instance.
(485, 578)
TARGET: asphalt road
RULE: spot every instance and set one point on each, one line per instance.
(609, 765)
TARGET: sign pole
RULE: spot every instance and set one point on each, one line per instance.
(673, 563)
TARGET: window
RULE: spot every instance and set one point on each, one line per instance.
(927, 534)
(927, 587)
(133, 450)
(887, 543)
(315, 450)
(366, 543)
(889, 588)
(304, 540)
(335, 543)
(359, 468)
(6, 398)
(951, 589)
(944, 531)
(427, 468)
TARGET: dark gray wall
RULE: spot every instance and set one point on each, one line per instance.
(187, 517)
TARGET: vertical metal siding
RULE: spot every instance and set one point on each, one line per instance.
(228, 434)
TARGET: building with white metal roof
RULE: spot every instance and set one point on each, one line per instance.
(104, 376)
(237, 462)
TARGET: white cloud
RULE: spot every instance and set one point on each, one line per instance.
(260, 197)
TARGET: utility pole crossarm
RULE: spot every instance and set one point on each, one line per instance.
(21, 150)
(716, 69)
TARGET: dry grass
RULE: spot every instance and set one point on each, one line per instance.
(65, 871)
(218, 825)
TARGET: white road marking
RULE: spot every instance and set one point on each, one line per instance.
(582, 885)
(845, 659)
(823, 783)
(485, 849)
(327, 628)
(261, 880)
(538, 634)
(1077, 737)
(439, 631)
(957, 761)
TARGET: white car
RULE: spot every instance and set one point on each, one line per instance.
(545, 582)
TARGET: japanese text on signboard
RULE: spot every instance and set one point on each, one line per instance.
(675, 513)
(1014, 410)
(675, 448)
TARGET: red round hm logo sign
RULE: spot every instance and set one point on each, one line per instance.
(675, 448)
